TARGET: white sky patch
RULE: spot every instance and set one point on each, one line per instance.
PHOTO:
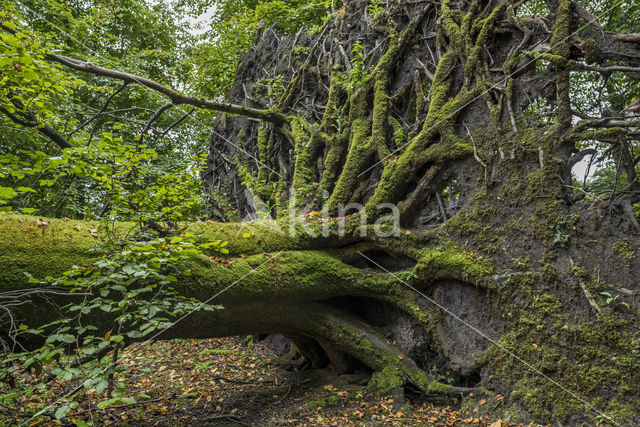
(202, 23)
(196, 26)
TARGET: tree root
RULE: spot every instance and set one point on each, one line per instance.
(392, 369)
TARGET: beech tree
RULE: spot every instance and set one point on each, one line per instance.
(417, 179)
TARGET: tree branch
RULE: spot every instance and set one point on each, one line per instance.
(176, 97)
(177, 122)
(153, 118)
(46, 130)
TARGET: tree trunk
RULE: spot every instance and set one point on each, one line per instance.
(487, 267)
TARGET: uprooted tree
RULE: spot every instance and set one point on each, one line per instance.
(461, 119)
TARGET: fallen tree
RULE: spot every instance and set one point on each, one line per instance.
(492, 262)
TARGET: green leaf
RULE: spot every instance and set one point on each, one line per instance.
(7, 193)
(26, 189)
(62, 411)
(101, 386)
(134, 334)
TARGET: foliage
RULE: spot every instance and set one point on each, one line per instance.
(216, 57)
(87, 110)
(357, 64)
(113, 171)
(116, 181)
(375, 9)
(131, 283)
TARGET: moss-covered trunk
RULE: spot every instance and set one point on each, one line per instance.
(457, 120)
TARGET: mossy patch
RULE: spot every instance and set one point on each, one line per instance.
(28, 245)
(623, 249)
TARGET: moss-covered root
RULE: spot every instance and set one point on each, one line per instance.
(392, 369)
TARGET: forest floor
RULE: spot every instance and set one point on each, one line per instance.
(229, 382)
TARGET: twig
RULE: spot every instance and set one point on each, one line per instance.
(477, 157)
(587, 294)
(177, 122)
(285, 395)
(153, 118)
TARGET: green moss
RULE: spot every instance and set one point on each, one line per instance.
(590, 51)
(451, 261)
(586, 357)
(479, 221)
(561, 46)
(438, 387)
(305, 173)
(487, 26)
(325, 402)
(359, 149)
(623, 248)
(385, 380)
(42, 250)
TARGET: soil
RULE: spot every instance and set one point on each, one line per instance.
(230, 381)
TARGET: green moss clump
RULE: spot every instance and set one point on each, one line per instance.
(325, 402)
(451, 262)
(623, 248)
(437, 387)
(385, 380)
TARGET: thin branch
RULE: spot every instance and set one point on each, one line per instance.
(177, 122)
(153, 118)
(100, 113)
(627, 37)
(46, 130)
